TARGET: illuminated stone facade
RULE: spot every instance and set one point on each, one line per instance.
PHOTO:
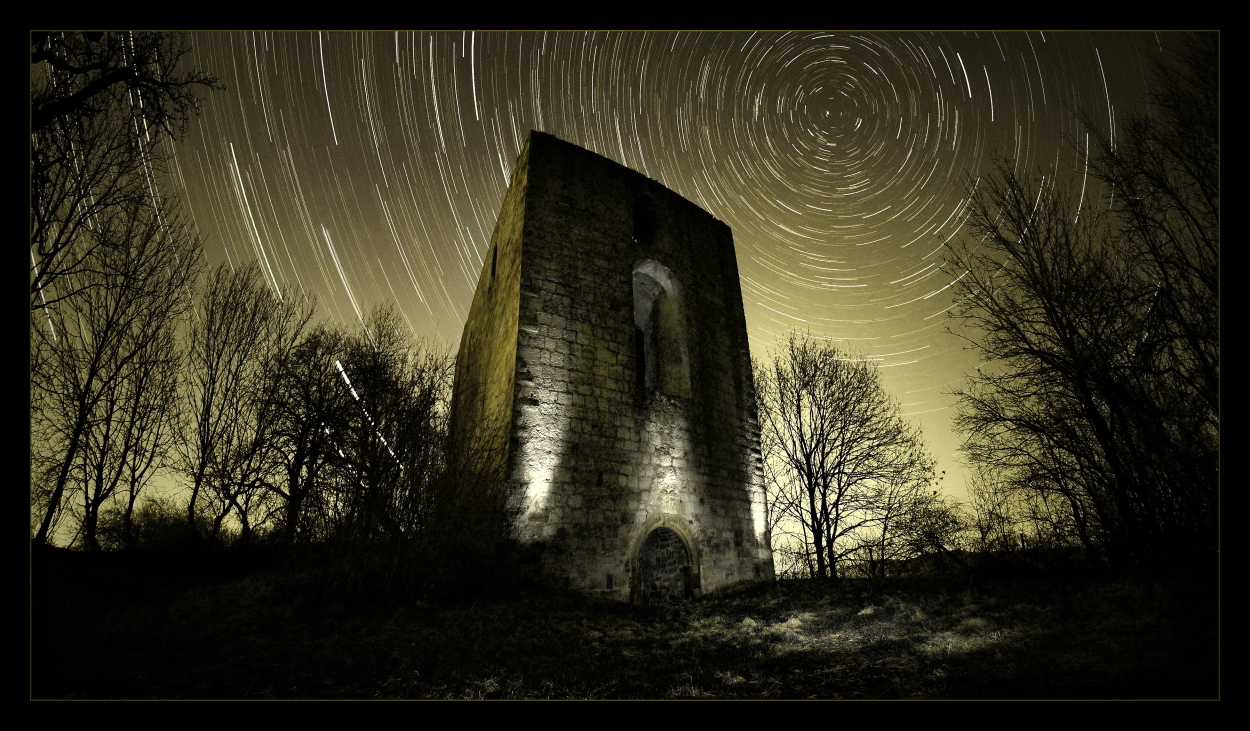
(604, 369)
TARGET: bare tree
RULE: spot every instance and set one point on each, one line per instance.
(391, 441)
(241, 340)
(311, 402)
(100, 364)
(837, 451)
(936, 525)
(1099, 331)
(996, 514)
(1165, 171)
(101, 106)
(1058, 313)
(894, 503)
(374, 484)
(110, 264)
(149, 423)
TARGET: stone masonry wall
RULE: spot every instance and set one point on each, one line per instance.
(486, 361)
(596, 459)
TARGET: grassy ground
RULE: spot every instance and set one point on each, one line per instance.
(116, 626)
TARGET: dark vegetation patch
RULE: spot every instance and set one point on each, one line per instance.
(258, 624)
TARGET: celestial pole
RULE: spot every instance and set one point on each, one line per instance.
(369, 167)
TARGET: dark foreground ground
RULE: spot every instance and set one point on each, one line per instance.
(229, 626)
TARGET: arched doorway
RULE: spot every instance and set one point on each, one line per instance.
(664, 574)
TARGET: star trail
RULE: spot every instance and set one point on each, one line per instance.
(369, 167)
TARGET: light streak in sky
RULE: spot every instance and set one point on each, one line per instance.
(1084, 179)
(990, 89)
(827, 154)
(1110, 114)
(259, 247)
(325, 86)
(343, 276)
(473, 72)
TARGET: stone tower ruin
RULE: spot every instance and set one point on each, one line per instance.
(604, 373)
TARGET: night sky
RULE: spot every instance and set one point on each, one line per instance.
(369, 167)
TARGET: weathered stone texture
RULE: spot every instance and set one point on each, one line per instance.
(605, 365)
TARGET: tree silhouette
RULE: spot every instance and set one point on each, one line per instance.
(111, 266)
(242, 339)
(102, 105)
(1098, 330)
(310, 404)
(391, 434)
(101, 364)
(843, 466)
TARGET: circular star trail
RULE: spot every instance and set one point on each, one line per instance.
(369, 167)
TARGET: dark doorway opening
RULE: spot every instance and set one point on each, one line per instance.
(663, 569)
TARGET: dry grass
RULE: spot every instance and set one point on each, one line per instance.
(248, 632)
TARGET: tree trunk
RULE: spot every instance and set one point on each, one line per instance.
(818, 535)
(128, 532)
(58, 492)
(90, 520)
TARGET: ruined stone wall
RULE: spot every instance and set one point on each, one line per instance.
(482, 400)
(596, 458)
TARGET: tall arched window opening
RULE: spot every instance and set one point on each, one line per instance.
(660, 351)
